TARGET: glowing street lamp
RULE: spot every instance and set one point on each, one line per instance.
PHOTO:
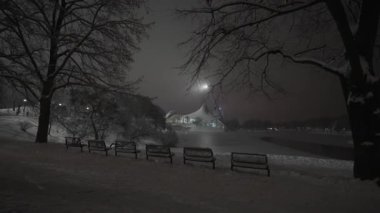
(59, 104)
(204, 87)
(24, 100)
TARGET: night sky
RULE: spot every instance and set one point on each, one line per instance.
(310, 93)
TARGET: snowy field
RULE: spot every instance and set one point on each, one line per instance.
(46, 178)
(283, 142)
(300, 150)
(271, 142)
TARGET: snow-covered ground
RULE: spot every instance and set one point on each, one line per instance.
(280, 155)
(45, 178)
(25, 127)
(270, 142)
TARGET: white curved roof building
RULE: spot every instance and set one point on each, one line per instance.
(201, 119)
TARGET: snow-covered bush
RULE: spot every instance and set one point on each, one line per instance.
(25, 125)
(99, 114)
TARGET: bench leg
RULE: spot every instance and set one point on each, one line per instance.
(184, 161)
(171, 160)
(115, 152)
(81, 148)
(268, 173)
(213, 165)
(147, 157)
(135, 155)
(106, 152)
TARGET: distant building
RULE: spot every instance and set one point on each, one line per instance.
(200, 120)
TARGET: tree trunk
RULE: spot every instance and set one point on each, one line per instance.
(362, 93)
(363, 106)
(96, 134)
(47, 89)
(50, 125)
(43, 120)
(18, 110)
(44, 117)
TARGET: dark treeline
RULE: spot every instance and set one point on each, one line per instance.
(337, 123)
(333, 123)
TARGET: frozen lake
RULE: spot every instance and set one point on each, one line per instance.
(270, 142)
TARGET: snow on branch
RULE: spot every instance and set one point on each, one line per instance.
(340, 71)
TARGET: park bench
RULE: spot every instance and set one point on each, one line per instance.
(249, 160)
(158, 151)
(125, 147)
(74, 142)
(199, 155)
(97, 145)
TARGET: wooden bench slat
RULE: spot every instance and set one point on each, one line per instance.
(125, 147)
(158, 151)
(97, 145)
(198, 154)
(250, 160)
(74, 142)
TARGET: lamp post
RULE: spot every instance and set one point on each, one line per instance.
(24, 101)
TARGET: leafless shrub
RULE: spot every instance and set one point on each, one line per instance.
(25, 125)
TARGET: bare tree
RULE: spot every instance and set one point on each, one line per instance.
(49, 45)
(336, 36)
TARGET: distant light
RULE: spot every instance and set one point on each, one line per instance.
(88, 108)
(59, 104)
(204, 87)
(25, 100)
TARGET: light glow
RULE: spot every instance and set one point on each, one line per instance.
(204, 87)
